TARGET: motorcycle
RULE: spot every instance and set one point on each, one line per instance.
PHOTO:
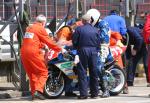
(61, 66)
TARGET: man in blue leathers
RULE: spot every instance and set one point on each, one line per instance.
(85, 39)
(116, 22)
(105, 55)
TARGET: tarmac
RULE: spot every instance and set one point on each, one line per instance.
(137, 94)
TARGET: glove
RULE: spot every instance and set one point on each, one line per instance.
(133, 52)
(76, 60)
(63, 51)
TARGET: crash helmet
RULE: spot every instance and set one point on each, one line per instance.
(95, 16)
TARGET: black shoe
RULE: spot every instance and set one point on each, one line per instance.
(70, 94)
(38, 95)
(129, 83)
(94, 97)
(82, 97)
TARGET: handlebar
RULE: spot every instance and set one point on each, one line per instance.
(70, 54)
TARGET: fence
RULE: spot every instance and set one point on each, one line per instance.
(145, 7)
(48, 7)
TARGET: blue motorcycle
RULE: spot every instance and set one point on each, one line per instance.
(61, 66)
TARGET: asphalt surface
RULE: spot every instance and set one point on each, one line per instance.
(137, 94)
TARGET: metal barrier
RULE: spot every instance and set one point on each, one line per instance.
(12, 65)
(48, 7)
(144, 7)
(58, 8)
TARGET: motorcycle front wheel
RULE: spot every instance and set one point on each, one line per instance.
(117, 80)
(55, 84)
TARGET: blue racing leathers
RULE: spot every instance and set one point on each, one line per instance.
(104, 35)
(104, 53)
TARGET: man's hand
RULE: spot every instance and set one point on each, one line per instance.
(133, 51)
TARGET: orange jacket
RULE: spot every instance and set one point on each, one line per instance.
(64, 33)
(115, 36)
(35, 37)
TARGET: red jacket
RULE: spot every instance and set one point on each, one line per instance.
(146, 30)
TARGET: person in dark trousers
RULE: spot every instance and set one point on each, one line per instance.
(117, 24)
(86, 40)
(136, 51)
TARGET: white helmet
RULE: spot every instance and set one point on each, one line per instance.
(95, 15)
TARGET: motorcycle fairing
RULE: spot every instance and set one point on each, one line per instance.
(67, 69)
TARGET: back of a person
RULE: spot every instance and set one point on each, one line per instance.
(64, 33)
(135, 35)
(32, 56)
(85, 40)
(31, 37)
(88, 35)
(116, 22)
(64, 36)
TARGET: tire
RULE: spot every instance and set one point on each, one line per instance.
(55, 84)
(117, 80)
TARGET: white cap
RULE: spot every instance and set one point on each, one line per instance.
(86, 17)
(41, 18)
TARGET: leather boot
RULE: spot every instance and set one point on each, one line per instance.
(105, 94)
(105, 90)
(104, 83)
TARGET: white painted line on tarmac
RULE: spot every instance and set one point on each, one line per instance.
(89, 100)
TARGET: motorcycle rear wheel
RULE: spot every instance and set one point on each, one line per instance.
(119, 80)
